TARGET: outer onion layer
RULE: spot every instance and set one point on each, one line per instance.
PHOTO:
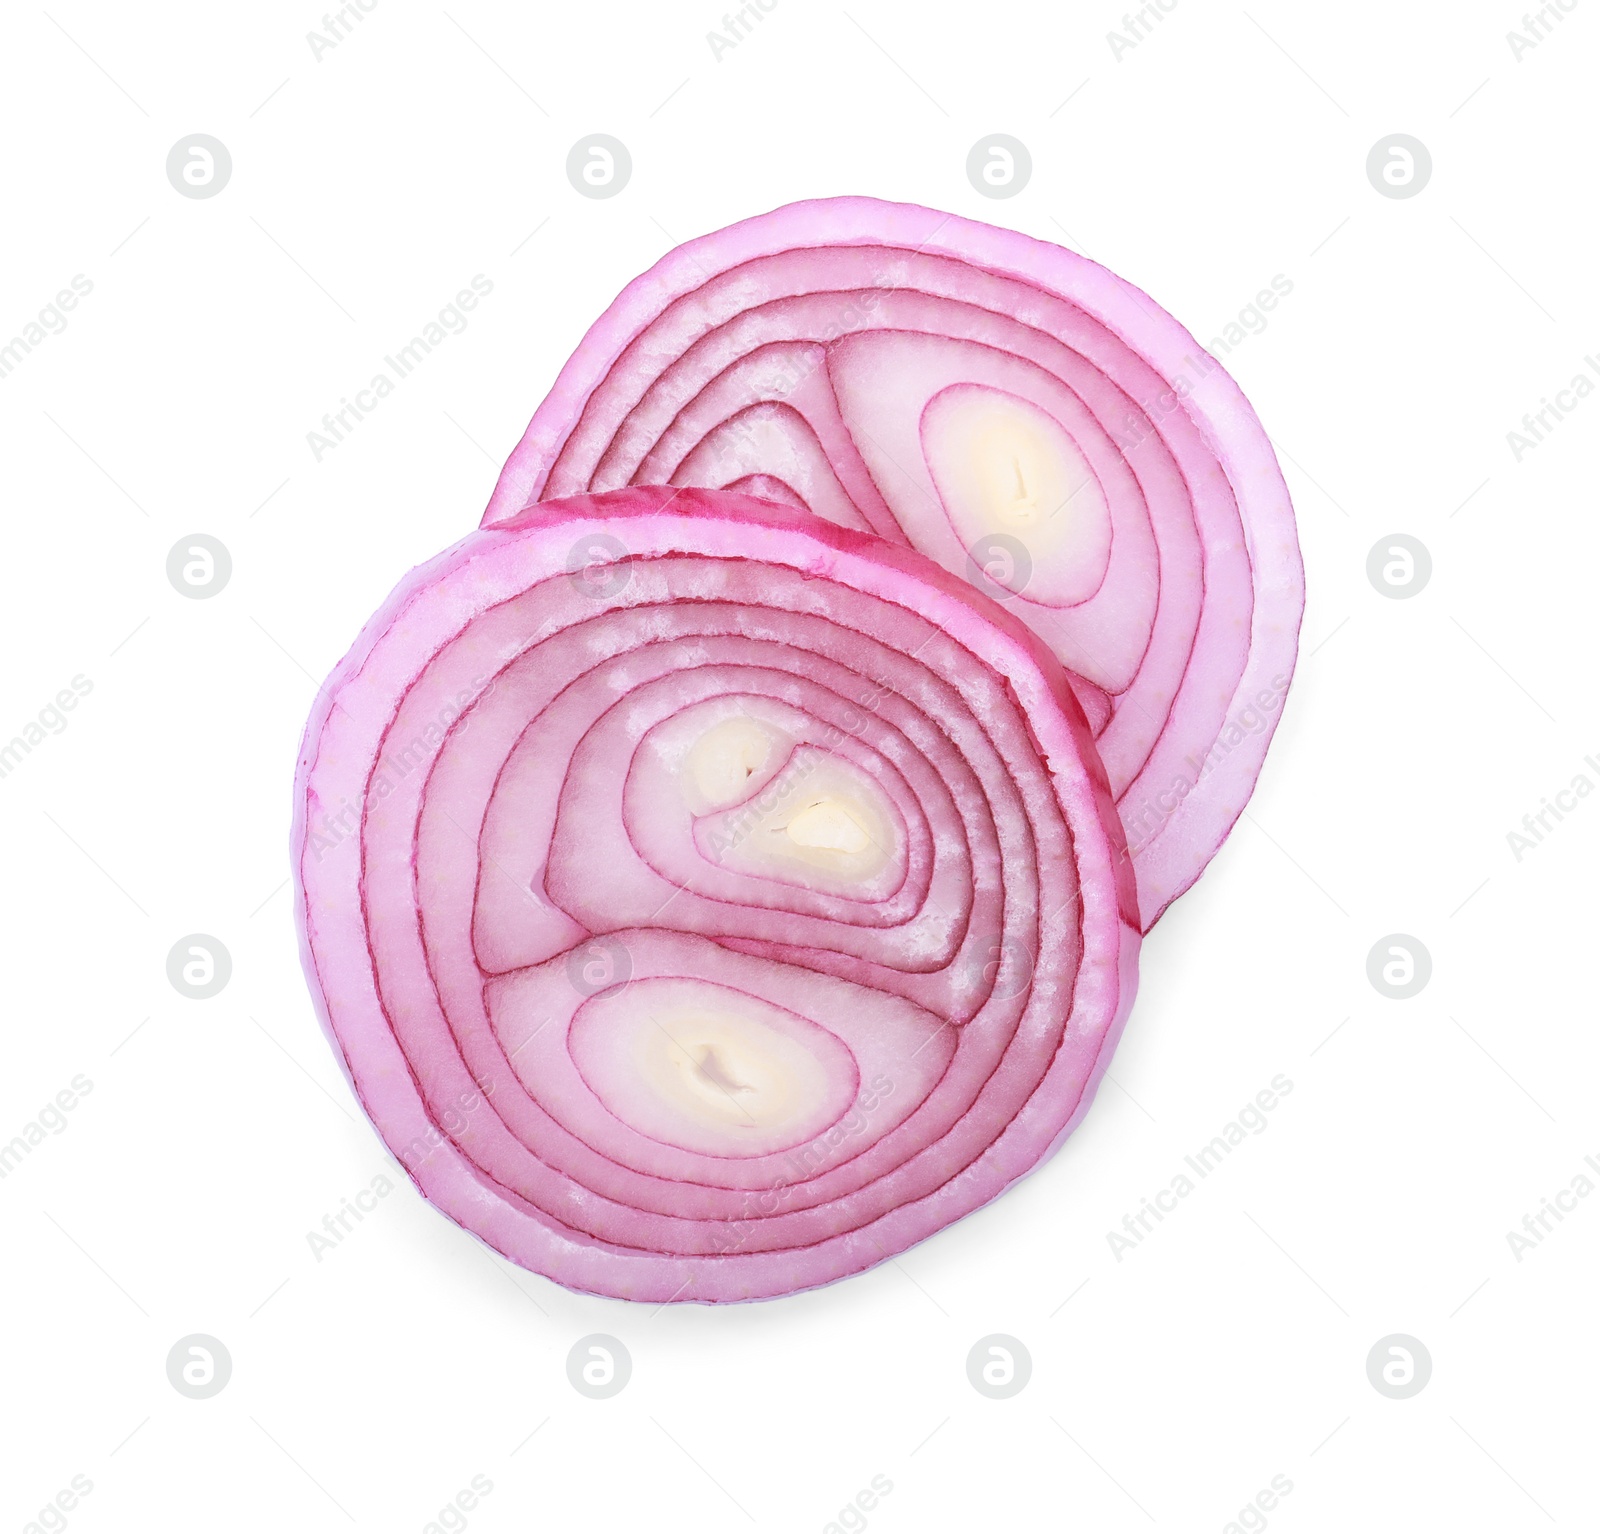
(852, 357)
(706, 902)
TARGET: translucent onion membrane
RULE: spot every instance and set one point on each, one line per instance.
(708, 902)
(1020, 414)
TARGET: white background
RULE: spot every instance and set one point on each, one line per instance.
(1168, 1388)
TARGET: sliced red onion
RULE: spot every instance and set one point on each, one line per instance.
(708, 902)
(1018, 413)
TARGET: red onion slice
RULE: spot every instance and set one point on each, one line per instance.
(707, 902)
(1018, 413)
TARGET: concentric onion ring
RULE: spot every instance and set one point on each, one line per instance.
(707, 903)
(1024, 417)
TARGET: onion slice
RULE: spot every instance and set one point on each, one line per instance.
(1020, 414)
(707, 902)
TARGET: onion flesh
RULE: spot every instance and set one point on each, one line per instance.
(1020, 414)
(707, 902)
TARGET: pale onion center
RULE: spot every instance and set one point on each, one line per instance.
(769, 808)
(1005, 467)
(722, 761)
(827, 825)
(1016, 474)
(822, 814)
(727, 1070)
